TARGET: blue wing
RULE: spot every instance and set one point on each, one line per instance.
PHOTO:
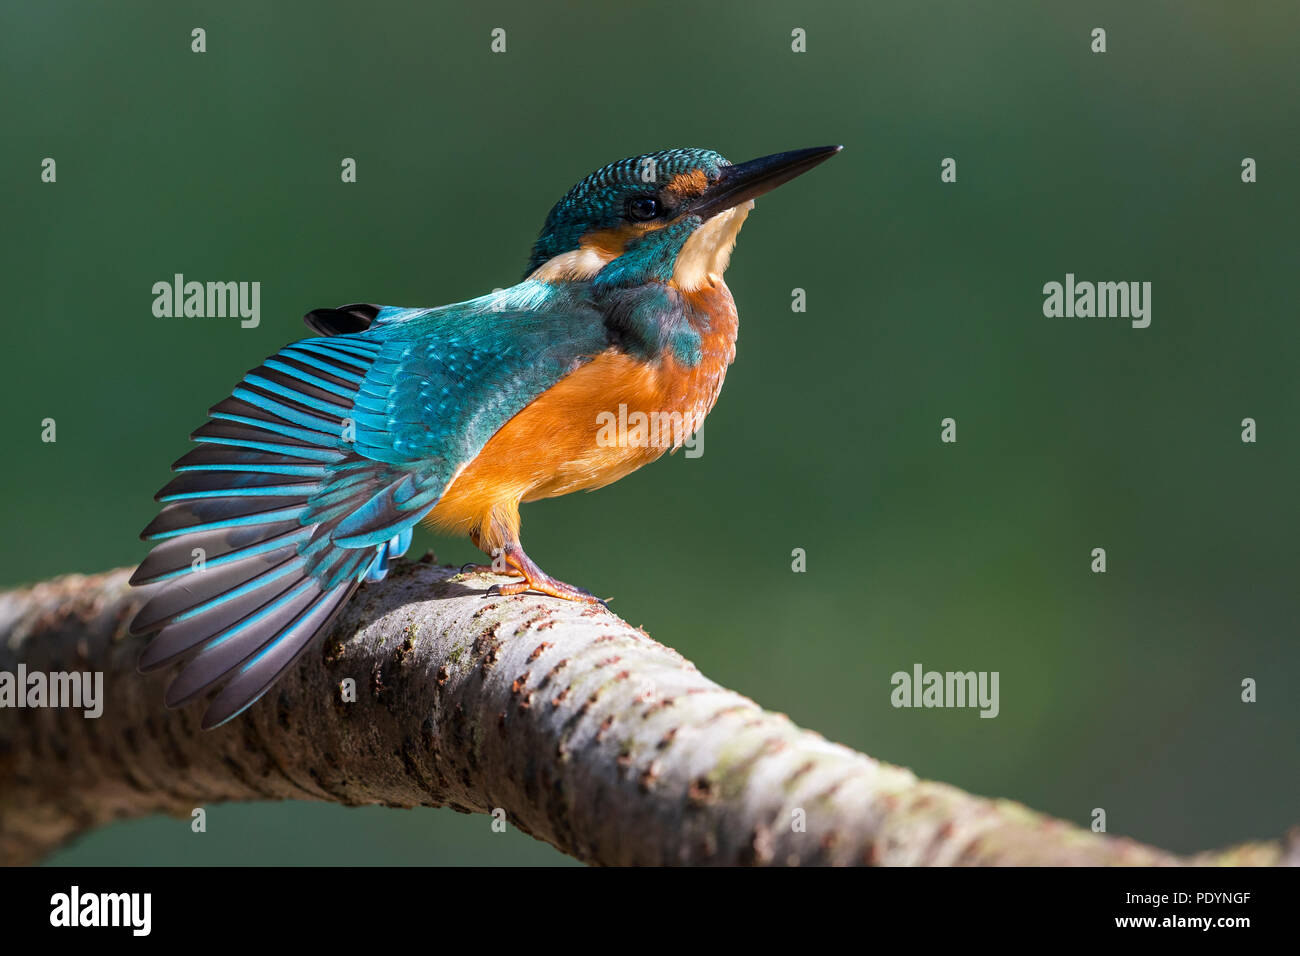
(313, 473)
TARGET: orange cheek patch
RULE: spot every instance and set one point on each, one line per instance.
(686, 185)
(613, 242)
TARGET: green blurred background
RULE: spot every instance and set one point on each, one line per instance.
(1118, 691)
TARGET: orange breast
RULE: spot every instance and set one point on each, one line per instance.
(564, 441)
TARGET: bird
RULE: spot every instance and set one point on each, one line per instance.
(309, 478)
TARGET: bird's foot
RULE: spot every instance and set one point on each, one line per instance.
(535, 579)
(547, 585)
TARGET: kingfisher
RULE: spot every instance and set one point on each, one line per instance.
(310, 477)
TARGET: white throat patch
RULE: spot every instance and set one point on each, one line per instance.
(578, 265)
(707, 252)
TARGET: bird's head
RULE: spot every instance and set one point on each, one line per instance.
(670, 216)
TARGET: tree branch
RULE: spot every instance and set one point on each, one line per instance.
(587, 733)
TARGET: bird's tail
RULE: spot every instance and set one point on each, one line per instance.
(244, 565)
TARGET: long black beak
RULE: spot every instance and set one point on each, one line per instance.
(749, 180)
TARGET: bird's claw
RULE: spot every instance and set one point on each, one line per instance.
(549, 587)
(535, 579)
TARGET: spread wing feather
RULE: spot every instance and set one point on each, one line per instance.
(313, 473)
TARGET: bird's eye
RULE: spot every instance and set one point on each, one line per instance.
(642, 208)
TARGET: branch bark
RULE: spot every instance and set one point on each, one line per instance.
(587, 733)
